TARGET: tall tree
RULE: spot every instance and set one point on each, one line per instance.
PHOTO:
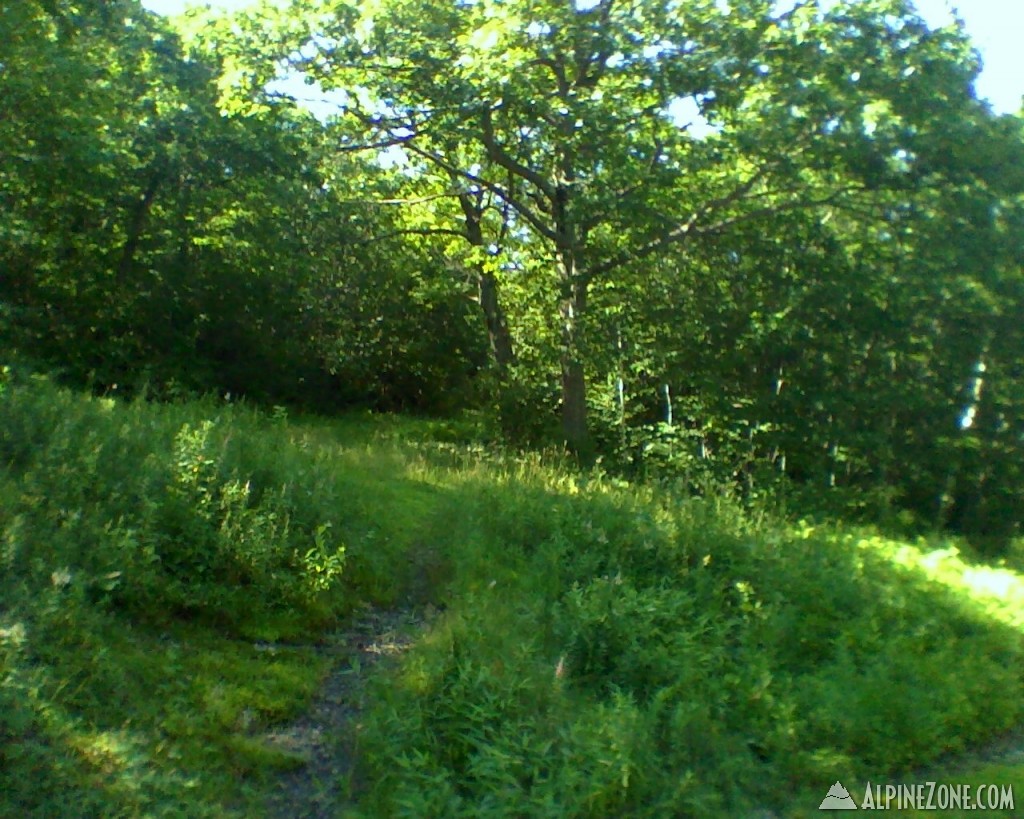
(570, 114)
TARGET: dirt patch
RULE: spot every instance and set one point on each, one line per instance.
(325, 737)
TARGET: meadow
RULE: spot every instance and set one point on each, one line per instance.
(170, 575)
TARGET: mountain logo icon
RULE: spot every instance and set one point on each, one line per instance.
(838, 799)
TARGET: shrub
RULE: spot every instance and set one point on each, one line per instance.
(152, 510)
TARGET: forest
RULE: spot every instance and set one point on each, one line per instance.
(646, 377)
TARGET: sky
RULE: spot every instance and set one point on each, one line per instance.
(995, 26)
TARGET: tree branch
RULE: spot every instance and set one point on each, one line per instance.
(781, 207)
(497, 154)
(528, 213)
(691, 227)
(680, 231)
(417, 200)
(590, 68)
(410, 232)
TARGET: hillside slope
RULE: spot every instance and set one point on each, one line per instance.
(170, 575)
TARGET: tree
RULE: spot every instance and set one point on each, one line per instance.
(570, 116)
(171, 223)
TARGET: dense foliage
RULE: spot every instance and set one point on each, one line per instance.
(772, 244)
(165, 573)
(163, 235)
(643, 656)
(748, 266)
(170, 576)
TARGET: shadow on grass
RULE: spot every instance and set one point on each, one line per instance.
(605, 650)
(615, 652)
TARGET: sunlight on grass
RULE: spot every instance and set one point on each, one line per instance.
(106, 751)
(600, 648)
(998, 592)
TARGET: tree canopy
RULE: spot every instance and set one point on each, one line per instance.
(746, 240)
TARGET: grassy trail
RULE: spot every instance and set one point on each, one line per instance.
(326, 736)
(195, 601)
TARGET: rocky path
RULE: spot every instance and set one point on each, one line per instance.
(326, 735)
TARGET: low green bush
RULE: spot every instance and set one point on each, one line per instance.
(153, 510)
(604, 649)
(612, 652)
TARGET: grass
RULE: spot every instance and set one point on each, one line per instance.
(604, 649)
(611, 652)
(146, 554)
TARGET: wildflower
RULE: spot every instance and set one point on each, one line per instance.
(61, 578)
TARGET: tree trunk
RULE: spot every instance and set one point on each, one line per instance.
(494, 316)
(136, 224)
(574, 407)
(497, 324)
(575, 429)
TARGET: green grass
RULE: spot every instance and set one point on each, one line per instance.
(611, 651)
(604, 650)
(145, 551)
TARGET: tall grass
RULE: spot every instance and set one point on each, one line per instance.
(603, 649)
(613, 651)
(145, 552)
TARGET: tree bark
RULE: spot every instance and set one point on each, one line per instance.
(575, 428)
(574, 407)
(494, 315)
(136, 224)
(497, 324)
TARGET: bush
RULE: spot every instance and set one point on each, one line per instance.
(148, 509)
(619, 652)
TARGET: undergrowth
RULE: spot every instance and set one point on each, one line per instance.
(612, 651)
(164, 573)
(604, 649)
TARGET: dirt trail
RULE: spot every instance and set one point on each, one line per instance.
(326, 735)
